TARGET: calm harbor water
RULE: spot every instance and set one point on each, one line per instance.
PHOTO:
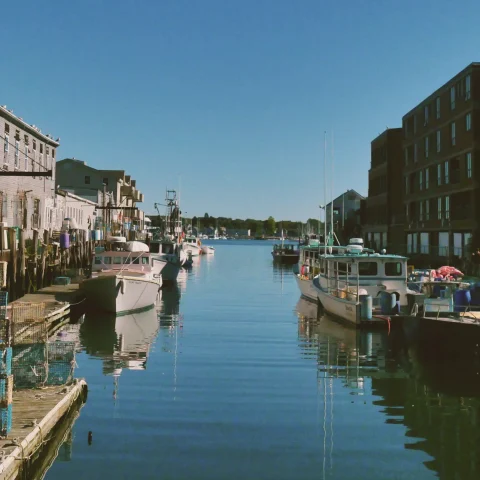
(236, 377)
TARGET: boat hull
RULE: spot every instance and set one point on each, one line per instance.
(120, 294)
(166, 268)
(191, 248)
(306, 288)
(208, 250)
(344, 310)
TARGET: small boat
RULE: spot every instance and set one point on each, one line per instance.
(285, 253)
(122, 279)
(192, 245)
(208, 250)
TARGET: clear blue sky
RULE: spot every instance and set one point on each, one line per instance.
(229, 98)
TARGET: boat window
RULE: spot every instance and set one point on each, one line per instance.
(136, 261)
(144, 260)
(107, 260)
(98, 260)
(393, 269)
(117, 260)
(367, 268)
(126, 260)
(342, 268)
(154, 247)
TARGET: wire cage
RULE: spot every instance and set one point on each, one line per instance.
(5, 420)
(5, 332)
(28, 323)
(43, 364)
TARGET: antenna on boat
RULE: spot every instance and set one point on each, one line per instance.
(331, 193)
(325, 190)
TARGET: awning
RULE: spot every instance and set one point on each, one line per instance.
(147, 220)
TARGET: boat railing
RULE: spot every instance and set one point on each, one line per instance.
(341, 282)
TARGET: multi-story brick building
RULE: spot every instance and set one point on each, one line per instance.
(108, 186)
(25, 201)
(441, 151)
(384, 223)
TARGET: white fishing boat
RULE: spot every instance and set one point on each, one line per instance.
(192, 246)
(167, 258)
(208, 250)
(356, 284)
(122, 279)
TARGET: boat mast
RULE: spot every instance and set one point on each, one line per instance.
(331, 187)
(325, 190)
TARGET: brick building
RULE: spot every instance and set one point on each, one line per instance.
(26, 201)
(441, 151)
(384, 222)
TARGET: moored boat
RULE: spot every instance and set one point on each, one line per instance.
(208, 250)
(355, 285)
(122, 279)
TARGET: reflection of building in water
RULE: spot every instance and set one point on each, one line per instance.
(438, 403)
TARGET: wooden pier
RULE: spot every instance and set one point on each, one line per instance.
(36, 413)
(58, 300)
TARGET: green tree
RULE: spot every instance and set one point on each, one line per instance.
(270, 226)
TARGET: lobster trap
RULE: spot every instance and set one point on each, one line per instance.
(43, 364)
(28, 325)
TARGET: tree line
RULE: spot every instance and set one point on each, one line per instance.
(257, 228)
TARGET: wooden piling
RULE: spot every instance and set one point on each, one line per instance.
(22, 263)
(44, 258)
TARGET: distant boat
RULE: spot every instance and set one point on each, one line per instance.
(192, 245)
(285, 253)
(208, 250)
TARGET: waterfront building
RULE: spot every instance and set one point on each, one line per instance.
(26, 198)
(110, 188)
(384, 222)
(346, 212)
(441, 150)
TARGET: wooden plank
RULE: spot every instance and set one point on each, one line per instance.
(35, 414)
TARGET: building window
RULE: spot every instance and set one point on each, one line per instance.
(426, 114)
(439, 174)
(406, 184)
(87, 179)
(53, 153)
(453, 133)
(420, 179)
(5, 144)
(26, 157)
(407, 210)
(468, 121)
(105, 180)
(420, 206)
(415, 153)
(7, 128)
(447, 207)
(426, 146)
(427, 209)
(406, 156)
(437, 104)
(469, 165)
(426, 178)
(41, 148)
(439, 209)
(467, 87)
(446, 172)
(439, 141)
(17, 153)
(452, 97)
(414, 124)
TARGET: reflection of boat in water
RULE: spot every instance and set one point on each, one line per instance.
(169, 305)
(122, 342)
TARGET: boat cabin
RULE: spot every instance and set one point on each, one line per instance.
(120, 255)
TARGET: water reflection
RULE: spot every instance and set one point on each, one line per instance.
(438, 403)
(122, 342)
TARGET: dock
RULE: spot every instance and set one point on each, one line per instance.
(37, 413)
(58, 299)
